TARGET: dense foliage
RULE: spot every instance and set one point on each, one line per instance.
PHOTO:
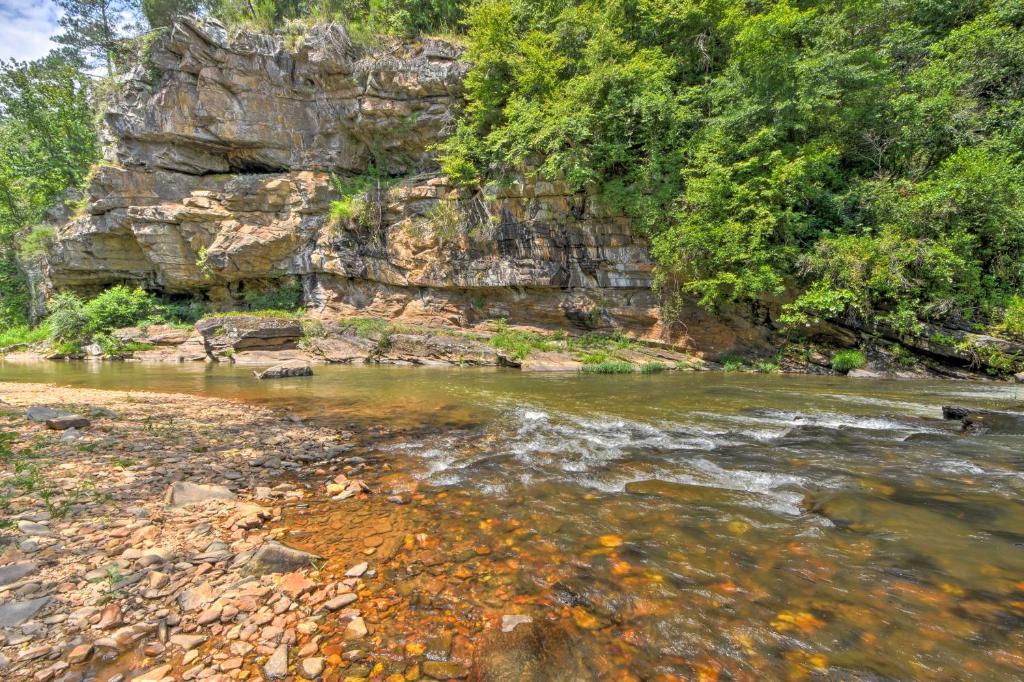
(866, 154)
(861, 159)
(47, 144)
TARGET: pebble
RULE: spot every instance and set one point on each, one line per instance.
(312, 668)
(356, 629)
(277, 665)
(357, 570)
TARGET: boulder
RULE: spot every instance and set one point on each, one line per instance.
(14, 613)
(41, 413)
(181, 493)
(67, 421)
(248, 332)
(292, 368)
(273, 557)
(551, 362)
(985, 421)
(12, 573)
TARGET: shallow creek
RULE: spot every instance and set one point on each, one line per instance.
(683, 526)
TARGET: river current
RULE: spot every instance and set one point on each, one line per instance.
(679, 526)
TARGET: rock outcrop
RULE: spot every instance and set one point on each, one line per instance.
(224, 155)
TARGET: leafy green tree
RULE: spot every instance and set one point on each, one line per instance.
(161, 13)
(96, 30)
(47, 143)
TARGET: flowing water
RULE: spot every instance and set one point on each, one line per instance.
(674, 526)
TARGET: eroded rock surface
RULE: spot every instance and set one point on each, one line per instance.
(218, 181)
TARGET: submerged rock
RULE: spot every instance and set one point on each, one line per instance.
(985, 421)
(534, 652)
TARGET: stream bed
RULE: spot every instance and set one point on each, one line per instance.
(670, 526)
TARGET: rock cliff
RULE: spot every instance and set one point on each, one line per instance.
(224, 155)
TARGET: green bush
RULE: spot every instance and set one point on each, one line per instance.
(67, 321)
(36, 242)
(23, 334)
(653, 367)
(519, 344)
(1013, 316)
(733, 364)
(846, 360)
(119, 306)
(284, 297)
(609, 367)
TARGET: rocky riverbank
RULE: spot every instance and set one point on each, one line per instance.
(141, 542)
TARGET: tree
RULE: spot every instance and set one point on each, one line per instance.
(96, 29)
(47, 144)
(161, 13)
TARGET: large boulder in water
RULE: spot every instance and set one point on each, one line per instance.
(292, 368)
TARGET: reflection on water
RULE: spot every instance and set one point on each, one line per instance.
(711, 525)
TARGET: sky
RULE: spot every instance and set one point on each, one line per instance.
(26, 27)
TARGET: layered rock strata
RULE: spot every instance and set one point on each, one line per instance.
(224, 155)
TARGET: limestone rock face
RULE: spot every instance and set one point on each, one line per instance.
(218, 182)
(252, 103)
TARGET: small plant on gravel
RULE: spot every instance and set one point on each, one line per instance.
(846, 360)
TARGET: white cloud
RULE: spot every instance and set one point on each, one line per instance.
(26, 27)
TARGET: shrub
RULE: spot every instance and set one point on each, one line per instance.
(1013, 316)
(610, 367)
(22, 333)
(766, 367)
(519, 343)
(733, 364)
(846, 360)
(653, 367)
(36, 242)
(117, 307)
(285, 297)
(67, 320)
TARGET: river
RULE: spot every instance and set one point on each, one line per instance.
(679, 526)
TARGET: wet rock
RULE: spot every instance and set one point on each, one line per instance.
(311, 668)
(533, 652)
(294, 368)
(154, 675)
(356, 629)
(14, 572)
(273, 557)
(341, 601)
(985, 421)
(510, 622)
(17, 612)
(357, 571)
(277, 665)
(80, 653)
(181, 493)
(69, 421)
(445, 670)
